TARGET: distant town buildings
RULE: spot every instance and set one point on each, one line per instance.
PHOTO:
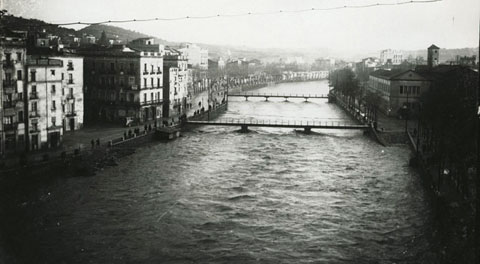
(390, 56)
(197, 57)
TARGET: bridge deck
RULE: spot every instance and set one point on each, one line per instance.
(268, 95)
(280, 124)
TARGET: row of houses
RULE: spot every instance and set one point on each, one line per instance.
(47, 90)
(40, 97)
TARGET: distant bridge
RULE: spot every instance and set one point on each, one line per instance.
(306, 125)
(286, 96)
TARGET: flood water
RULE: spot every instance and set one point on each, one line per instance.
(219, 196)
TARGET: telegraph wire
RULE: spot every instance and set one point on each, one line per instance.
(313, 9)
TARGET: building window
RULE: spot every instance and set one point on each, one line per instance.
(132, 68)
(54, 105)
(34, 89)
(158, 82)
(70, 78)
(52, 72)
(54, 120)
(112, 66)
(145, 68)
(19, 75)
(151, 80)
(70, 66)
(34, 106)
(145, 82)
(145, 97)
(33, 76)
(401, 89)
(20, 116)
(53, 89)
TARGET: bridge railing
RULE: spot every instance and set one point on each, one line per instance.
(278, 95)
(270, 122)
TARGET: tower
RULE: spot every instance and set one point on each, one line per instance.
(433, 56)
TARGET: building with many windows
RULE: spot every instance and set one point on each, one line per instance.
(124, 83)
(176, 84)
(392, 57)
(12, 96)
(398, 89)
(44, 100)
(196, 56)
(71, 91)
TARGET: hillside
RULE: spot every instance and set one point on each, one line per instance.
(24, 24)
(118, 33)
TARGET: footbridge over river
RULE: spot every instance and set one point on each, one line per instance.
(285, 96)
(306, 125)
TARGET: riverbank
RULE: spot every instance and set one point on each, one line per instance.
(453, 214)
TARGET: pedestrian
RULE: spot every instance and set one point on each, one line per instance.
(98, 142)
(93, 143)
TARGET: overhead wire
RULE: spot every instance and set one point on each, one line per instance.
(313, 9)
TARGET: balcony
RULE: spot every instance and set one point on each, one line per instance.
(152, 72)
(9, 127)
(70, 97)
(145, 72)
(33, 96)
(33, 114)
(8, 104)
(70, 68)
(70, 81)
(8, 64)
(53, 109)
(159, 72)
(71, 114)
(151, 102)
(34, 129)
(9, 84)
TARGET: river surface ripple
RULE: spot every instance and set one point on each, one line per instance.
(219, 196)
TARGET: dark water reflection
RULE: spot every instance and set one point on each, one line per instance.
(218, 196)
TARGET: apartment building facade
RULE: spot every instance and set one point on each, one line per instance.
(123, 83)
(12, 95)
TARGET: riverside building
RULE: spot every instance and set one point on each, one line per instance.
(124, 82)
(176, 80)
(12, 95)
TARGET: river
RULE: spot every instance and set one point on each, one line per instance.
(219, 196)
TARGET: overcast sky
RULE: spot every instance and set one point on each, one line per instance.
(448, 24)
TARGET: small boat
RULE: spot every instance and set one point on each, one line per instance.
(167, 133)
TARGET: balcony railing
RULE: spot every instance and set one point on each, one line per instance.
(151, 102)
(34, 129)
(33, 114)
(9, 83)
(70, 82)
(8, 64)
(70, 68)
(71, 113)
(70, 97)
(33, 96)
